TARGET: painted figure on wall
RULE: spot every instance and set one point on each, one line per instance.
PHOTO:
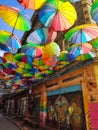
(76, 117)
(61, 106)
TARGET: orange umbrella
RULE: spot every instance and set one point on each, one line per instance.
(50, 53)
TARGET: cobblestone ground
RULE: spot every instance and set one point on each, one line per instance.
(5, 124)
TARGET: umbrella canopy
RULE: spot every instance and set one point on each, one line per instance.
(42, 36)
(63, 56)
(14, 18)
(58, 15)
(33, 52)
(38, 62)
(24, 65)
(82, 33)
(23, 58)
(94, 11)
(9, 39)
(86, 56)
(9, 57)
(80, 49)
(50, 53)
(4, 48)
(2, 60)
(9, 71)
(9, 65)
(94, 43)
(32, 4)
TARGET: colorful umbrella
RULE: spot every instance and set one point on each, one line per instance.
(82, 33)
(21, 70)
(42, 67)
(9, 65)
(42, 36)
(80, 49)
(2, 60)
(24, 65)
(63, 56)
(47, 71)
(58, 15)
(23, 58)
(71, 57)
(33, 52)
(14, 18)
(32, 4)
(9, 57)
(64, 63)
(9, 39)
(38, 62)
(90, 55)
(31, 44)
(9, 71)
(94, 43)
(94, 11)
(4, 48)
(50, 53)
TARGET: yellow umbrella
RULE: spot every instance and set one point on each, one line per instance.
(14, 18)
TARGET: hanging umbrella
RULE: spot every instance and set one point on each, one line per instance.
(31, 44)
(82, 33)
(38, 62)
(24, 65)
(50, 53)
(64, 63)
(32, 4)
(63, 56)
(94, 11)
(2, 60)
(28, 74)
(94, 43)
(80, 49)
(58, 15)
(42, 36)
(23, 58)
(9, 65)
(21, 70)
(14, 18)
(2, 74)
(71, 57)
(33, 52)
(9, 71)
(9, 39)
(4, 48)
(90, 55)
(47, 71)
(9, 57)
(42, 67)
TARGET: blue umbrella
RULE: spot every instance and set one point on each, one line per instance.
(4, 48)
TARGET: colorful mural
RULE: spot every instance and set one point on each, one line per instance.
(66, 111)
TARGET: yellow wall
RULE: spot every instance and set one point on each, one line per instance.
(96, 73)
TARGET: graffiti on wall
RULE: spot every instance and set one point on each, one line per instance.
(66, 111)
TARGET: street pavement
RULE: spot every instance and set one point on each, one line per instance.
(5, 124)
